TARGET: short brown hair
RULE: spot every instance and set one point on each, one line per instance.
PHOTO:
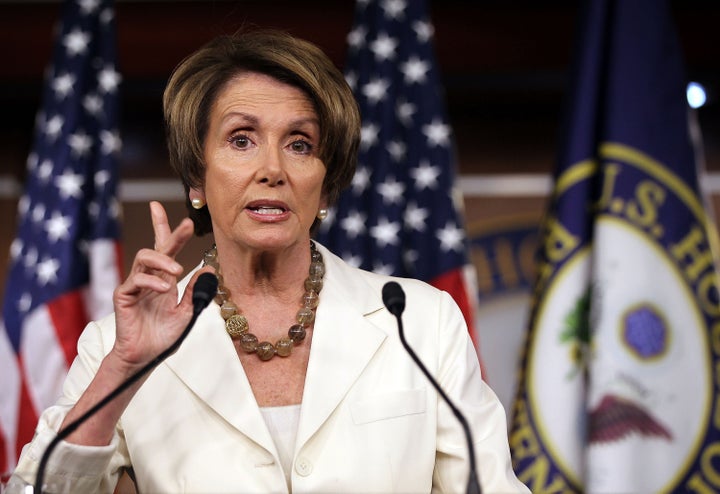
(197, 81)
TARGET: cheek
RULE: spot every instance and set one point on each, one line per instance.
(223, 192)
(321, 176)
(223, 174)
(318, 190)
(313, 194)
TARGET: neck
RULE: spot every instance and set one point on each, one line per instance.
(251, 272)
(237, 325)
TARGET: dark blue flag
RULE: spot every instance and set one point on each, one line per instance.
(65, 260)
(618, 385)
(401, 215)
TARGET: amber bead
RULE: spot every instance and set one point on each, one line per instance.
(317, 271)
(227, 309)
(265, 350)
(249, 342)
(313, 285)
(296, 333)
(210, 257)
(284, 347)
(305, 316)
(311, 300)
(222, 295)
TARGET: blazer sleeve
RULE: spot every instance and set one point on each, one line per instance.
(460, 377)
(71, 467)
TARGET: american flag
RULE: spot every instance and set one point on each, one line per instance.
(401, 216)
(65, 261)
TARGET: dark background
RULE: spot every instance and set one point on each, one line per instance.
(504, 66)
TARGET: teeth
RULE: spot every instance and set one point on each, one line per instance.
(267, 210)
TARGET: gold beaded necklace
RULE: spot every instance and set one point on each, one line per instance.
(237, 326)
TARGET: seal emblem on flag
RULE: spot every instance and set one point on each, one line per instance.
(618, 390)
(632, 361)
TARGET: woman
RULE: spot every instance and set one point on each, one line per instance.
(264, 131)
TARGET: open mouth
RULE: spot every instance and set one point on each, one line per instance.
(267, 210)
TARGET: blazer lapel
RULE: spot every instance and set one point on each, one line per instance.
(208, 364)
(343, 343)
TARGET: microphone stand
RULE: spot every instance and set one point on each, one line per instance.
(394, 299)
(204, 291)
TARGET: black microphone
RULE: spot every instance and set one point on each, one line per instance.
(394, 299)
(204, 291)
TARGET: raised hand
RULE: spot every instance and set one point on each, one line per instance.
(148, 316)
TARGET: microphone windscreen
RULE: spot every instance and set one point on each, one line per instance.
(204, 290)
(393, 297)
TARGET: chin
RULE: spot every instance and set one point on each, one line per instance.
(275, 242)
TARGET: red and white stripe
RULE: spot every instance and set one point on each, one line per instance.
(32, 380)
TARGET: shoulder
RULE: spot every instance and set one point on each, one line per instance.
(364, 288)
(338, 267)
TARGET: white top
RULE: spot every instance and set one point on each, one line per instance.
(282, 422)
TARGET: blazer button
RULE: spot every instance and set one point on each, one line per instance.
(303, 466)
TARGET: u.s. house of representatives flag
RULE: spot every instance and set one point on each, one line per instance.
(401, 215)
(618, 389)
(65, 260)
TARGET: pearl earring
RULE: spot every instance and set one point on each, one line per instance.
(322, 214)
(197, 203)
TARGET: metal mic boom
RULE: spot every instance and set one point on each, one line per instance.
(394, 299)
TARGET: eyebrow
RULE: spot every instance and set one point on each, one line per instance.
(253, 120)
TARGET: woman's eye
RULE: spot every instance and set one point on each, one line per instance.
(300, 147)
(239, 141)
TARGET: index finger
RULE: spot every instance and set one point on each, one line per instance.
(161, 226)
(169, 242)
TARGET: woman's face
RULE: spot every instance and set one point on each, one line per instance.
(263, 177)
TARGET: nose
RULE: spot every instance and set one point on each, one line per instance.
(271, 170)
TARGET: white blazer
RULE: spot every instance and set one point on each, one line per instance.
(370, 421)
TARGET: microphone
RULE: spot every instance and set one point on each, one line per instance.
(394, 299)
(204, 291)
